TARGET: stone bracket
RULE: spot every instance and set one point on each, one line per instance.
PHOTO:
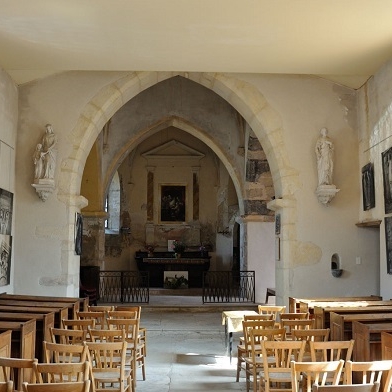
(44, 188)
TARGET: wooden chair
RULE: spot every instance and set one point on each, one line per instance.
(142, 330)
(107, 335)
(332, 351)
(243, 349)
(64, 353)
(61, 372)
(254, 363)
(277, 356)
(83, 386)
(17, 370)
(370, 372)
(68, 336)
(135, 347)
(291, 325)
(316, 373)
(315, 335)
(271, 309)
(108, 364)
(6, 386)
(98, 316)
(374, 387)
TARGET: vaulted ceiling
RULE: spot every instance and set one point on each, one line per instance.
(343, 40)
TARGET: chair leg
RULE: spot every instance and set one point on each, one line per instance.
(239, 362)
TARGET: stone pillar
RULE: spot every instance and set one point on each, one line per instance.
(150, 193)
(258, 251)
(93, 245)
(195, 171)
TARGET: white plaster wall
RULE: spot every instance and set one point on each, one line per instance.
(8, 128)
(303, 105)
(375, 101)
(261, 256)
(48, 236)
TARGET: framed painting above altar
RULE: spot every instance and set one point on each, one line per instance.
(173, 203)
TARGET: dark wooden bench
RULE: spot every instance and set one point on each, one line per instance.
(321, 314)
(22, 337)
(341, 323)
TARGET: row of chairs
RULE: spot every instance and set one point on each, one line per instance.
(273, 341)
(108, 340)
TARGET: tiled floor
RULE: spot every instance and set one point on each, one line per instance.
(186, 348)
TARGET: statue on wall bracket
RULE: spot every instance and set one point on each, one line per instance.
(325, 191)
(44, 159)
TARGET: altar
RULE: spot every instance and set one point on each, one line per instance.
(193, 262)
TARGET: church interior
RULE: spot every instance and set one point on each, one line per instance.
(257, 134)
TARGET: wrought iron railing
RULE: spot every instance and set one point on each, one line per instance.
(228, 286)
(124, 286)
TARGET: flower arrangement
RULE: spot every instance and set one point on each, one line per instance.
(150, 249)
(179, 246)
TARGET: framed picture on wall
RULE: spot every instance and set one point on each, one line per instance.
(368, 194)
(6, 205)
(388, 242)
(387, 179)
(173, 203)
(5, 259)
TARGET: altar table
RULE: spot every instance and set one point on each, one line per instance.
(232, 320)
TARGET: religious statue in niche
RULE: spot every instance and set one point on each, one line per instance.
(325, 162)
(44, 159)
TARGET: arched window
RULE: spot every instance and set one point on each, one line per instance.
(112, 205)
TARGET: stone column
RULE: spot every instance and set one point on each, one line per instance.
(93, 245)
(150, 193)
(195, 171)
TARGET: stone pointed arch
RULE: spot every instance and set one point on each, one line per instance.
(244, 97)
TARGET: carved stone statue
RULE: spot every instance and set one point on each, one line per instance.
(324, 154)
(48, 145)
(38, 161)
(44, 159)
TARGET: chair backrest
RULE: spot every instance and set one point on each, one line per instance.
(271, 309)
(6, 386)
(83, 386)
(123, 314)
(331, 350)
(316, 335)
(316, 373)
(280, 354)
(373, 387)
(291, 325)
(64, 353)
(100, 308)
(62, 372)
(67, 336)
(84, 324)
(107, 335)
(17, 370)
(370, 372)
(258, 317)
(98, 316)
(294, 316)
(257, 336)
(130, 326)
(134, 308)
(254, 324)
